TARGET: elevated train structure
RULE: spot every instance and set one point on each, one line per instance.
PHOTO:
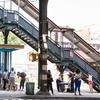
(16, 23)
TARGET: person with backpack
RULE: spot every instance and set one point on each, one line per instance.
(22, 75)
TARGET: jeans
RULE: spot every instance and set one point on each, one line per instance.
(77, 85)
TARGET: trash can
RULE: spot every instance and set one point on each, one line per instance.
(30, 88)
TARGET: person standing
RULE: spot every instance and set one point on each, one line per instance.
(49, 81)
(5, 79)
(12, 79)
(77, 81)
(58, 81)
(90, 82)
(71, 76)
(22, 75)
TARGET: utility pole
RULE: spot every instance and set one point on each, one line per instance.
(43, 47)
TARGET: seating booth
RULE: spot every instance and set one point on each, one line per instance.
(6, 56)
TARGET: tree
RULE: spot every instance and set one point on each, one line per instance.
(1, 38)
(12, 39)
(61, 69)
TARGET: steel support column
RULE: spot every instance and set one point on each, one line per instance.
(43, 47)
(5, 33)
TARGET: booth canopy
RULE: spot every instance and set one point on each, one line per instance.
(10, 48)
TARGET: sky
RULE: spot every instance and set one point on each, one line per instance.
(72, 13)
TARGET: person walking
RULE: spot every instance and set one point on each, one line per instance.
(90, 82)
(49, 81)
(77, 81)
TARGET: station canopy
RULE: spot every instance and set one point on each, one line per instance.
(10, 48)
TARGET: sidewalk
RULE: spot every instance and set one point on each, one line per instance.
(61, 96)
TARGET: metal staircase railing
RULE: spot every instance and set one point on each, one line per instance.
(30, 9)
(86, 68)
(26, 31)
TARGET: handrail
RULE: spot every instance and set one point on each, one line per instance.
(88, 69)
(82, 58)
(20, 15)
(25, 20)
(75, 35)
(83, 45)
(54, 42)
(86, 44)
(34, 10)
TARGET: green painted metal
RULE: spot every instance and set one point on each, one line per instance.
(30, 88)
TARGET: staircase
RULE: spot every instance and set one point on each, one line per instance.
(69, 33)
(28, 32)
